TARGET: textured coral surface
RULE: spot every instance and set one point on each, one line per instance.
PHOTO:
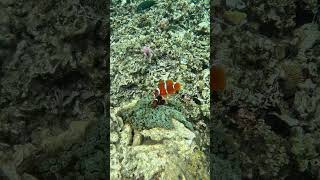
(266, 125)
(153, 40)
(52, 90)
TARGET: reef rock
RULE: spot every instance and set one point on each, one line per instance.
(159, 154)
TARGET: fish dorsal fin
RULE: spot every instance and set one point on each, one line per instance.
(177, 86)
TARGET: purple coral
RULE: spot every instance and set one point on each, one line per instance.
(147, 52)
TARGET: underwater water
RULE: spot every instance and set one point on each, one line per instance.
(162, 135)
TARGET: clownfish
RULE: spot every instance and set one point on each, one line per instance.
(217, 78)
(217, 81)
(164, 89)
(158, 100)
(167, 88)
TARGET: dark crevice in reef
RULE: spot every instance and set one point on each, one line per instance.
(303, 15)
(277, 125)
(269, 29)
(296, 175)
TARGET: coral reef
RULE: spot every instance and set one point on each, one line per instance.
(267, 119)
(170, 29)
(156, 153)
(151, 41)
(87, 158)
(52, 87)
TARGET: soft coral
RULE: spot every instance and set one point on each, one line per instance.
(147, 52)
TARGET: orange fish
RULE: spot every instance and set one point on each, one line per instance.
(217, 78)
(164, 89)
(167, 88)
(158, 100)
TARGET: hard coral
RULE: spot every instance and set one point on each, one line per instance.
(276, 16)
